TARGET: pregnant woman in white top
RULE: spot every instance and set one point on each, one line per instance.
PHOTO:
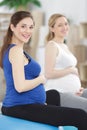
(60, 65)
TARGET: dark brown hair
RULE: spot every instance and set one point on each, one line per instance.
(15, 19)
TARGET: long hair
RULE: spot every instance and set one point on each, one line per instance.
(15, 19)
(51, 23)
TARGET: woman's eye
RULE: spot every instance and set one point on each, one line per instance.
(31, 27)
(23, 26)
(66, 23)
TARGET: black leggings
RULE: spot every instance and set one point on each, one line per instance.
(49, 114)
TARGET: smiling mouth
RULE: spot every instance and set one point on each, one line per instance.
(26, 36)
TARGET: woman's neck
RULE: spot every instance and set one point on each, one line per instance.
(17, 42)
(58, 40)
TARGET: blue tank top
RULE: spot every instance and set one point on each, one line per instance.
(32, 70)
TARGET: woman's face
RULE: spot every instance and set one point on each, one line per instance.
(61, 27)
(23, 30)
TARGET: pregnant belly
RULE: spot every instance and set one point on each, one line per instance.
(70, 83)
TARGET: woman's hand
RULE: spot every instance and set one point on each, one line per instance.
(79, 93)
(74, 70)
(43, 79)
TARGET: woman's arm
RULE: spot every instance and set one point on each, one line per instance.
(51, 53)
(16, 58)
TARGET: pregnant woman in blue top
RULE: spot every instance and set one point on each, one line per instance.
(25, 95)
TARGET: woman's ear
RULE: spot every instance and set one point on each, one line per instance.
(12, 27)
(51, 29)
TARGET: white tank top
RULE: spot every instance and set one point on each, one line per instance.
(69, 83)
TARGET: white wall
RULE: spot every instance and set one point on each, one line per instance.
(75, 10)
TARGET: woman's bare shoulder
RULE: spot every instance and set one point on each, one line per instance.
(15, 52)
(51, 44)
